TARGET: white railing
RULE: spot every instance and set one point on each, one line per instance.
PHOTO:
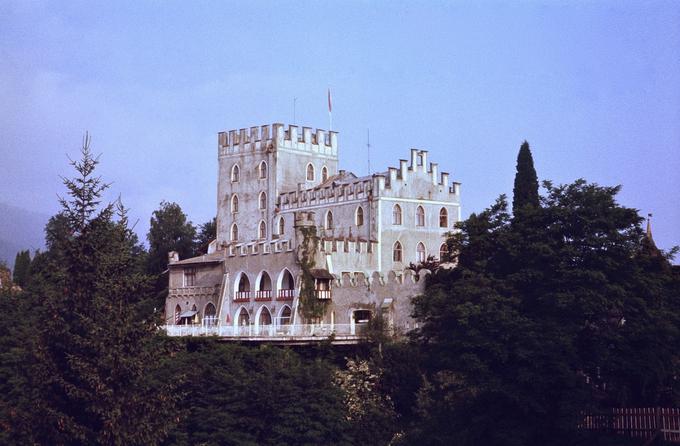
(270, 331)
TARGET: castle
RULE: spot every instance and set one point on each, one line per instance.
(304, 249)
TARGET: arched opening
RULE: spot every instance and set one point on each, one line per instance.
(420, 216)
(443, 218)
(396, 215)
(324, 174)
(234, 232)
(282, 225)
(262, 170)
(178, 311)
(329, 220)
(262, 230)
(242, 322)
(397, 252)
(263, 287)
(210, 315)
(235, 173)
(242, 287)
(359, 218)
(285, 316)
(443, 252)
(265, 317)
(234, 204)
(263, 200)
(310, 172)
(420, 252)
(286, 285)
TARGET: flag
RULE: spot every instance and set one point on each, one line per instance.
(330, 105)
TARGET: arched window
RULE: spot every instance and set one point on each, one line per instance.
(178, 311)
(235, 173)
(396, 215)
(420, 252)
(262, 170)
(265, 317)
(262, 230)
(443, 251)
(420, 216)
(264, 286)
(329, 220)
(210, 314)
(310, 172)
(443, 218)
(234, 232)
(263, 200)
(324, 173)
(282, 225)
(285, 315)
(396, 252)
(234, 204)
(242, 289)
(243, 318)
(243, 284)
(360, 216)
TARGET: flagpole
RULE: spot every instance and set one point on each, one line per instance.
(330, 111)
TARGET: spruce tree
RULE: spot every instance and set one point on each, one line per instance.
(95, 357)
(525, 192)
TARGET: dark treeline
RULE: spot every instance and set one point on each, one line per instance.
(559, 307)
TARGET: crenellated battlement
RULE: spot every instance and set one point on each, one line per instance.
(358, 189)
(396, 177)
(269, 137)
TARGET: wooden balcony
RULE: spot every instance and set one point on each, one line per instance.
(242, 296)
(263, 295)
(286, 295)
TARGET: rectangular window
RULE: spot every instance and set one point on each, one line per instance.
(190, 277)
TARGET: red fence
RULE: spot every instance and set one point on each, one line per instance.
(637, 422)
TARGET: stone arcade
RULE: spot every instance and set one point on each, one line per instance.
(273, 183)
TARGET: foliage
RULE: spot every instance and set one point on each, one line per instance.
(431, 264)
(310, 307)
(22, 265)
(170, 230)
(247, 396)
(207, 232)
(92, 358)
(545, 316)
(369, 410)
(525, 191)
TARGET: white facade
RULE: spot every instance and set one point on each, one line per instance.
(273, 180)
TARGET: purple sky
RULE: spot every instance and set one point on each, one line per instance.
(593, 86)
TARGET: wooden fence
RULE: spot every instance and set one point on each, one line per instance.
(637, 422)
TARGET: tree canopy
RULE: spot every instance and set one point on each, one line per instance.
(170, 230)
(91, 359)
(543, 317)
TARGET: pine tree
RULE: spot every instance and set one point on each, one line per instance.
(95, 358)
(525, 192)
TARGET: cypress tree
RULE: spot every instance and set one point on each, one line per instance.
(525, 192)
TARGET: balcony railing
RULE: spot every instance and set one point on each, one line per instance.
(242, 296)
(286, 295)
(267, 331)
(263, 295)
(323, 294)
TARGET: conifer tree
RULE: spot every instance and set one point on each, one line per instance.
(22, 265)
(525, 192)
(95, 358)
